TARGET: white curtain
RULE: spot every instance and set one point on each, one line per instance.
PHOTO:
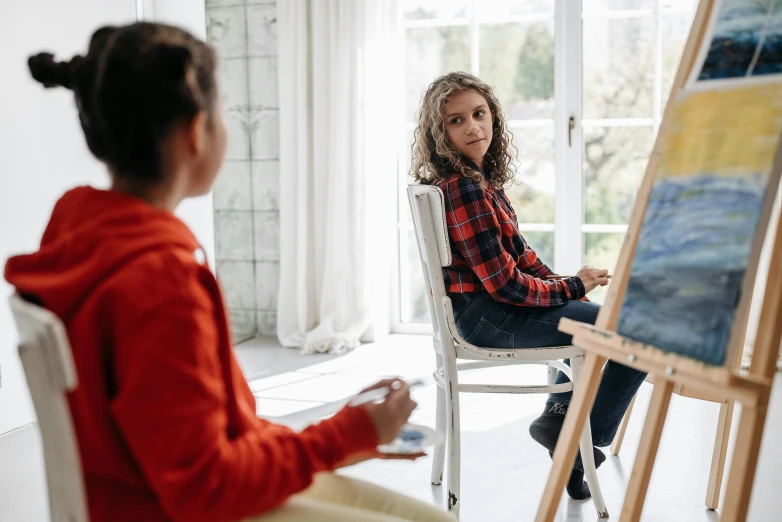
(340, 120)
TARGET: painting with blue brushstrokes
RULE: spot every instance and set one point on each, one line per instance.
(746, 40)
(701, 219)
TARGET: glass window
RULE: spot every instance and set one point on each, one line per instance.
(429, 9)
(430, 52)
(596, 6)
(601, 250)
(504, 8)
(532, 193)
(615, 160)
(619, 67)
(518, 61)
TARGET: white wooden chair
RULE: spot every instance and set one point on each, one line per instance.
(428, 210)
(48, 366)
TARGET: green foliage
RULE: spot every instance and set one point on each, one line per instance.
(535, 69)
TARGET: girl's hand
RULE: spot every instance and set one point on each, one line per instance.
(392, 413)
(592, 277)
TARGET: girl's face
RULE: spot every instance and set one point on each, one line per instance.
(468, 124)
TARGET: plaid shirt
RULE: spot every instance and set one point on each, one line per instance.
(489, 252)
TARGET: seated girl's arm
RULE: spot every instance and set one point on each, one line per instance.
(530, 262)
(172, 408)
(476, 234)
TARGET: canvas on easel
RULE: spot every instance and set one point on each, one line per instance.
(679, 301)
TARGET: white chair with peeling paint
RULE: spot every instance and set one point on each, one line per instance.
(428, 210)
(48, 365)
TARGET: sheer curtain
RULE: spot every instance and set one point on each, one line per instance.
(339, 118)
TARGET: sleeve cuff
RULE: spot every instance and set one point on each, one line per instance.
(355, 429)
(575, 287)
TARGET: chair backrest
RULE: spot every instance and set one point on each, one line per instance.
(427, 205)
(48, 365)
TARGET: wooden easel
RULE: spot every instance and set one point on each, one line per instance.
(672, 372)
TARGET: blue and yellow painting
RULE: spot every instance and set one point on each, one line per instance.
(701, 220)
(746, 40)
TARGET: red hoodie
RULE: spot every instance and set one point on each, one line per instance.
(164, 417)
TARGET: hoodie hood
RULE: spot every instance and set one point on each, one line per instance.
(90, 235)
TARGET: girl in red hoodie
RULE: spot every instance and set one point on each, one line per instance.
(165, 420)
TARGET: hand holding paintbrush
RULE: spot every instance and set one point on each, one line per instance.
(590, 277)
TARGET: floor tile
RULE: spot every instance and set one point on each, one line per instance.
(272, 381)
(325, 388)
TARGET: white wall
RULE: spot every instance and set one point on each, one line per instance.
(42, 149)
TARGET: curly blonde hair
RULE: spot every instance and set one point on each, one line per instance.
(433, 156)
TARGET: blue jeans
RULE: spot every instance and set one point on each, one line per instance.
(482, 321)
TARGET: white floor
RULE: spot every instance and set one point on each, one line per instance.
(503, 470)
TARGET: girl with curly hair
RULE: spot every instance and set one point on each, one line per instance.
(501, 291)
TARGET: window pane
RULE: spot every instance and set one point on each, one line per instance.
(427, 9)
(676, 28)
(593, 6)
(415, 309)
(679, 5)
(532, 194)
(543, 245)
(514, 7)
(430, 52)
(619, 67)
(518, 60)
(602, 251)
(615, 160)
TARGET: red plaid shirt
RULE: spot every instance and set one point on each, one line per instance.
(489, 252)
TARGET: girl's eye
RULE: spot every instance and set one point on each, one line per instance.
(479, 114)
(454, 121)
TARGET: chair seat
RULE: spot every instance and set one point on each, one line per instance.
(471, 352)
(465, 350)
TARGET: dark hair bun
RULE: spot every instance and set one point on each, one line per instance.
(50, 73)
(174, 59)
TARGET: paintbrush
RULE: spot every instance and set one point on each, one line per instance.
(379, 393)
(564, 276)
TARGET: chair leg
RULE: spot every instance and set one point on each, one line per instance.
(718, 456)
(587, 456)
(453, 422)
(744, 461)
(438, 457)
(647, 452)
(565, 452)
(620, 434)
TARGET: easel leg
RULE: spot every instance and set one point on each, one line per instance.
(718, 456)
(620, 435)
(567, 445)
(647, 451)
(744, 463)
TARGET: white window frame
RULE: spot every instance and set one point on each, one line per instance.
(569, 226)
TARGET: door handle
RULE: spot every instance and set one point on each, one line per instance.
(571, 124)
